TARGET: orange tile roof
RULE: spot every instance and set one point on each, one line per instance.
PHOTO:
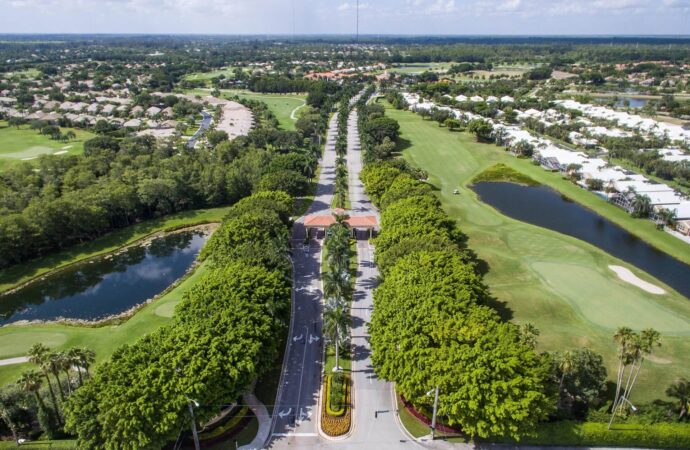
(362, 222)
(319, 221)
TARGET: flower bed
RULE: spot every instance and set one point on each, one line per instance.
(234, 425)
(424, 419)
(338, 422)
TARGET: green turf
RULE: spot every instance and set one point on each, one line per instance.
(560, 284)
(23, 143)
(21, 273)
(286, 107)
(16, 339)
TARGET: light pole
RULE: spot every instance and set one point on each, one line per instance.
(615, 407)
(192, 404)
(433, 417)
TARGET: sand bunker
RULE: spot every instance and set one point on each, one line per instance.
(61, 152)
(629, 277)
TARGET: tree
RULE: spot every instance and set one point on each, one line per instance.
(11, 400)
(680, 390)
(481, 129)
(581, 378)
(452, 124)
(39, 354)
(336, 325)
(523, 148)
(30, 382)
(641, 206)
(215, 137)
(667, 216)
(632, 349)
(594, 184)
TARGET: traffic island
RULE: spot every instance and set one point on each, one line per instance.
(336, 410)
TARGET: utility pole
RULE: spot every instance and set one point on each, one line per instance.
(191, 405)
(433, 418)
(357, 21)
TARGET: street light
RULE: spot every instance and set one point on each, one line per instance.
(634, 409)
(433, 418)
(192, 404)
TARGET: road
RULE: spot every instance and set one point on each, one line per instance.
(205, 123)
(296, 411)
(375, 424)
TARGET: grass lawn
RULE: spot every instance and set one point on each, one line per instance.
(415, 68)
(286, 107)
(560, 284)
(15, 340)
(21, 273)
(23, 143)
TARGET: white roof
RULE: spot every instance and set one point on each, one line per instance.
(682, 210)
(461, 98)
(477, 98)
(664, 198)
(507, 99)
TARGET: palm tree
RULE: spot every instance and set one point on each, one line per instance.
(30, 382)
(336, 325)
(54, 361)
(75, 360)
(680, 390)
(64, 363)
(641, 205)
(623, 337)
(335, 284)
(70, 135)
(86, 358)
(38, 354)
(667, 216)
(566, 364)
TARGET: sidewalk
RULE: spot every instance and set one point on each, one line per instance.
(264, 419)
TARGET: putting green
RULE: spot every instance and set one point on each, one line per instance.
(606, 303)
(23, 143)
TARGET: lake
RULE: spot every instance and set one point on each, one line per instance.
(543, 206)
(106, 286)
(631, 102)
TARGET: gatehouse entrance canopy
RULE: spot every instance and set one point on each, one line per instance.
(325, 221)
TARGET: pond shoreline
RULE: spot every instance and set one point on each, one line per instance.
(115, 319)
(643, 259)
(141, 241)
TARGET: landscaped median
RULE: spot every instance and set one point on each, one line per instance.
(336, 410)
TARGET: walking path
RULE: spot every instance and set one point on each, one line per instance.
(264, 419)
(17, 360)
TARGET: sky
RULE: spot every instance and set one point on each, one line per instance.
(419, 17)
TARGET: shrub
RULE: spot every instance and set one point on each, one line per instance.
(336, 425)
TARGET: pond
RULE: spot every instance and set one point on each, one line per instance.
(544, 207)
(106, 286)
(631, 102)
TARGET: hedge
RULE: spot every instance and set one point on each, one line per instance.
(336, 426)
(329, 385)
(662, 435)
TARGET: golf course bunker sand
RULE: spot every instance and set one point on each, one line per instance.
(61, 152)
(629, 277)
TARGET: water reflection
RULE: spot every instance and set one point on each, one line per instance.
(107, 286)
(546, 208)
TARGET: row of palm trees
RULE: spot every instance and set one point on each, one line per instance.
(633, 348)
(341, 175)
(55, 365)
(337, 287)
